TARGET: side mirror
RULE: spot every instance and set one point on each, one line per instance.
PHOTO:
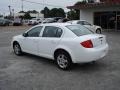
(25, 34)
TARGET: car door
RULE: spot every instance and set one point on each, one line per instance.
(30, 42)
(50, 39)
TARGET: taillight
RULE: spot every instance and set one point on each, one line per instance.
(87, 44)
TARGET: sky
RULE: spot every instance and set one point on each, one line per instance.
(16, 5)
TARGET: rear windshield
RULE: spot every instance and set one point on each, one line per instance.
(79, 30)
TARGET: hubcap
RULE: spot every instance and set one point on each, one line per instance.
(17, 49)
(62, 61)
(98, 31)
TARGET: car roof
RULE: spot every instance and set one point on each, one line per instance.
(55, 24)
(77, 20)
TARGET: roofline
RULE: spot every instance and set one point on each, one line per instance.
(94, 5)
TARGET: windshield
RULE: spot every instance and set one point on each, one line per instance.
(79, 30)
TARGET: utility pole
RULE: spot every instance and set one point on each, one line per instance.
(10, 10)
(13, 13)
(22, 5)
(43, 9)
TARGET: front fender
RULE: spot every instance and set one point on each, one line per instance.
(97, 27)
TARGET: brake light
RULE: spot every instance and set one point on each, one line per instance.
(87, 44)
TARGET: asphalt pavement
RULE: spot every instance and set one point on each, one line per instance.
(29, 72)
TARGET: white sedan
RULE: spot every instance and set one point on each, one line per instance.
(63, 42)
(94, 28)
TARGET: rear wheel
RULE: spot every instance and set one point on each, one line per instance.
(98, 31)
(63, 60)
(17, 49)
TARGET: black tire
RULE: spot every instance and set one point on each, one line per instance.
(93, 62)
(17, 49)
(98, 31)
(8, 24)
(63, 60)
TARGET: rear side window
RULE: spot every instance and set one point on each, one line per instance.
(51, 31)
(79, 30)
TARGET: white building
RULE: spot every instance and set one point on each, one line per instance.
(33, 15)
(105, 13)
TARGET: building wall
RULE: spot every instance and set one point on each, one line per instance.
(37, 15)
(88, 14)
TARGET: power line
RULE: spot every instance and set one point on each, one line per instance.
(43, 4)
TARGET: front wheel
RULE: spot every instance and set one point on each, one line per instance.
(98, 31)
(63, 60)
(17, 49)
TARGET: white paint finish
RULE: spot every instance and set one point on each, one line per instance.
(46, 47)
(97, 1)
(88, 14)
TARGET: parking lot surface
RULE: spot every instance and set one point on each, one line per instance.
(29, 72)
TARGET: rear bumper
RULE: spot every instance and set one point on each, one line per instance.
(89, 55)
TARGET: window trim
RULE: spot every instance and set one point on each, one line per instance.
(34, 28)
(82, 26)
(57, 31)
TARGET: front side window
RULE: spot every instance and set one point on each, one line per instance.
(51, 31)
(35, 32)
(80, 22)
(79, 30)
(86, 23)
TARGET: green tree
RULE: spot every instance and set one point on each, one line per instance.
(61, 13)
(1, 15)
(53, 12)
(27, 15)
(21, 11)
(81, 2)
(71, 15)
(46, 12)
(32, 11)
(22, 17)
(57, 12)
(74, 14)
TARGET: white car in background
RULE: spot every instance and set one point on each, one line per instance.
(63, 42)
(34, 21)
(94, 28)
(48, 20)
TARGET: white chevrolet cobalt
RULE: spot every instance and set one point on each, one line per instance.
(63, 42)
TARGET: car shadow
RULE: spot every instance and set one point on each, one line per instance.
(87, 67)
(39, 59)
(90, 67)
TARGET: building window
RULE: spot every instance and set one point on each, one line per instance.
(107, 20)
